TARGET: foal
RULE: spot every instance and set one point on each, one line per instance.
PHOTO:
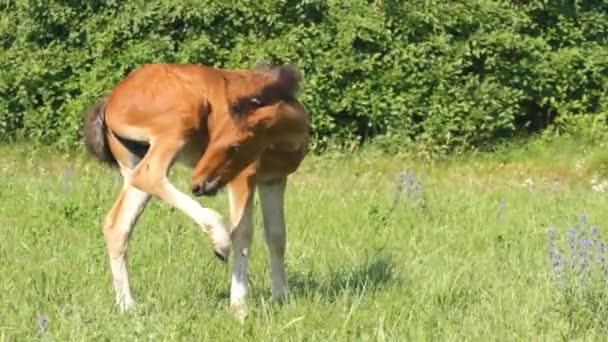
(236, 128)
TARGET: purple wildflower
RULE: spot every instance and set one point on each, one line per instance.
(43, 324)
(67, 177)
(593, 234)
(409, 183)
(582, 221)
(502, 207)
(557, 261)
(600, 257)
(571, 240)
(584, 255)
(400, 181)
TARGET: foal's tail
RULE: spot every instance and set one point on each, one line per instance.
(95, 133)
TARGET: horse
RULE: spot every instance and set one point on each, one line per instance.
(240, 129)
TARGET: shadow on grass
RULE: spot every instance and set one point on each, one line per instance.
(368, 277)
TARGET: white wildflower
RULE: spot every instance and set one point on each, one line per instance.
(598, 186)
(528, 182)
(578, 166)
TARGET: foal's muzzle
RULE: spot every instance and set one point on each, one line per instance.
(209, 187)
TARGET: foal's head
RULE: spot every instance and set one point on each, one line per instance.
(238, 133)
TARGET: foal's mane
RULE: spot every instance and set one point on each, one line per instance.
(283, 87)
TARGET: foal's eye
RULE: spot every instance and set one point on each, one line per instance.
(233, 149)
(255, 101)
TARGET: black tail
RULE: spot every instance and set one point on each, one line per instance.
(95, 134)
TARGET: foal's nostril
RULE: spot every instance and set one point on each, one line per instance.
(197, 190)
(210, 186)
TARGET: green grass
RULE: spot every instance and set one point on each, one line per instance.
(360, 267)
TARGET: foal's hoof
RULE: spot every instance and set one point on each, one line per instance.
(239, 310)
(125, 305)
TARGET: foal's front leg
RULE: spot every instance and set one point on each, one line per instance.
(151, 176)
(271, 198)
(241, 192)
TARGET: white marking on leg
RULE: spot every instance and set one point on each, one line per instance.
(124, 300)
(132, 204)
(271, 198)
(209, 220)
(242, 235)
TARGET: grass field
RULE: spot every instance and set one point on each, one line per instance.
(459, 254)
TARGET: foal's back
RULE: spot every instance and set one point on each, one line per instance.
(160, 100)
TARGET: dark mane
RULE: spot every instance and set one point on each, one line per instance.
(284, 88)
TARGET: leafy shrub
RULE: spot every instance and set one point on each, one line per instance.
(445, 76)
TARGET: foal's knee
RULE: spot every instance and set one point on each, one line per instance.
(147, 181)
(276, 241)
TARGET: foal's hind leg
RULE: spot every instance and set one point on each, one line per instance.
(119, 223)
(116, 230)
(271, 198)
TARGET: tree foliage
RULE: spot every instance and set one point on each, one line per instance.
(444, 75)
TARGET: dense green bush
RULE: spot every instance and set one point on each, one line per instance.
(443, 75)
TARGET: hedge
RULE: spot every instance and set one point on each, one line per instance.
(444, 75)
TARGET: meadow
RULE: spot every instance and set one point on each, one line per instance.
(380, 247)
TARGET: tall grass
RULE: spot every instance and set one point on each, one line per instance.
(379, 248)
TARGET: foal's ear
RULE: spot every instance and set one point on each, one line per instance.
(287, 81)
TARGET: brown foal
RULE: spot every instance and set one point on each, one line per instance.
(237, 128)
